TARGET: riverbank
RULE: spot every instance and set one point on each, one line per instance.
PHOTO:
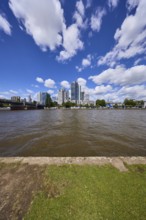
(73, 188)
(117, 162)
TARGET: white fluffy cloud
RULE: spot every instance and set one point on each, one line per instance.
(50, 83)
(121, 76)
(96, 19)
(103, 89)
(65, 84)
(113, 3)
(85, 63)
(43, 20)
(130, 38)
(132, 4)
(5, 25)
(80, 7)
(79, 14)
(40, 80)
(134, 92)
(82, 81)
(72, 34)
(71, 43)
(50, 91)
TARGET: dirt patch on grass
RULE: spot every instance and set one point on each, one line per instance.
(18, 184)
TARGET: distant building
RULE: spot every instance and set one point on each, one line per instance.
(41, 98)
(15, 98)
(29, 99)
(86, 97)
(23, 100)
(82, 96)
(144, 105)
(63, 96)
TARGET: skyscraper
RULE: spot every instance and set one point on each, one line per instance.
(42, 97)
(63, 96)
(82, 96)
(75, 92)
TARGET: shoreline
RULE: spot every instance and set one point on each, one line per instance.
(117, 162)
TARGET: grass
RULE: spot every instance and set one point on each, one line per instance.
(91, 192)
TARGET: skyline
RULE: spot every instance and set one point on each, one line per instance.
(101, 45)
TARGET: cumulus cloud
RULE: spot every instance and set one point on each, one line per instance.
(96, 19)
(131, 4)
(78, 18)
(80, 7)
(65, 84)
(40, 80)
(72, 34)
(82, 82)
(50, 83)
(71, 43)
(43, 20)
(113, 3)
(130, 38)
(134, 92)
(5, 25)
(103, 89)
(121, 76)
(50, 91)
(85, 63)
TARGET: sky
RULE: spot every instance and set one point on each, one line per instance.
(45, 45)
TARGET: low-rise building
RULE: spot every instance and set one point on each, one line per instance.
(15, 98)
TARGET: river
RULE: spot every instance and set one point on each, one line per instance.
(73, 133)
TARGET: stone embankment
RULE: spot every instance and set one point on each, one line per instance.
(117, 162)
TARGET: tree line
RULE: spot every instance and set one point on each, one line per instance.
(99, 103)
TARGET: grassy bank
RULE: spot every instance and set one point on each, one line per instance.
(76, 192)
(91, 192)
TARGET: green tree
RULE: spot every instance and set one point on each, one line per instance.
(68, 104)
(130, 103)
(140, 103)
(100, 102)
(115, 105)
(48, 101)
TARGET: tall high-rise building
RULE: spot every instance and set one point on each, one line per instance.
(86, 97)
(82, 96)
(42, 97)
(63, 96)
(29, 99)
(75, 92)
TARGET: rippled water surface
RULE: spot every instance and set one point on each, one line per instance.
(73, 133)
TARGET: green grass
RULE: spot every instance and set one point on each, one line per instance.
(90, 192)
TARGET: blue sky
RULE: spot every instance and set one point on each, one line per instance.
(47, 44)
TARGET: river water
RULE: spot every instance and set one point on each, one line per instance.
(73, 133)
